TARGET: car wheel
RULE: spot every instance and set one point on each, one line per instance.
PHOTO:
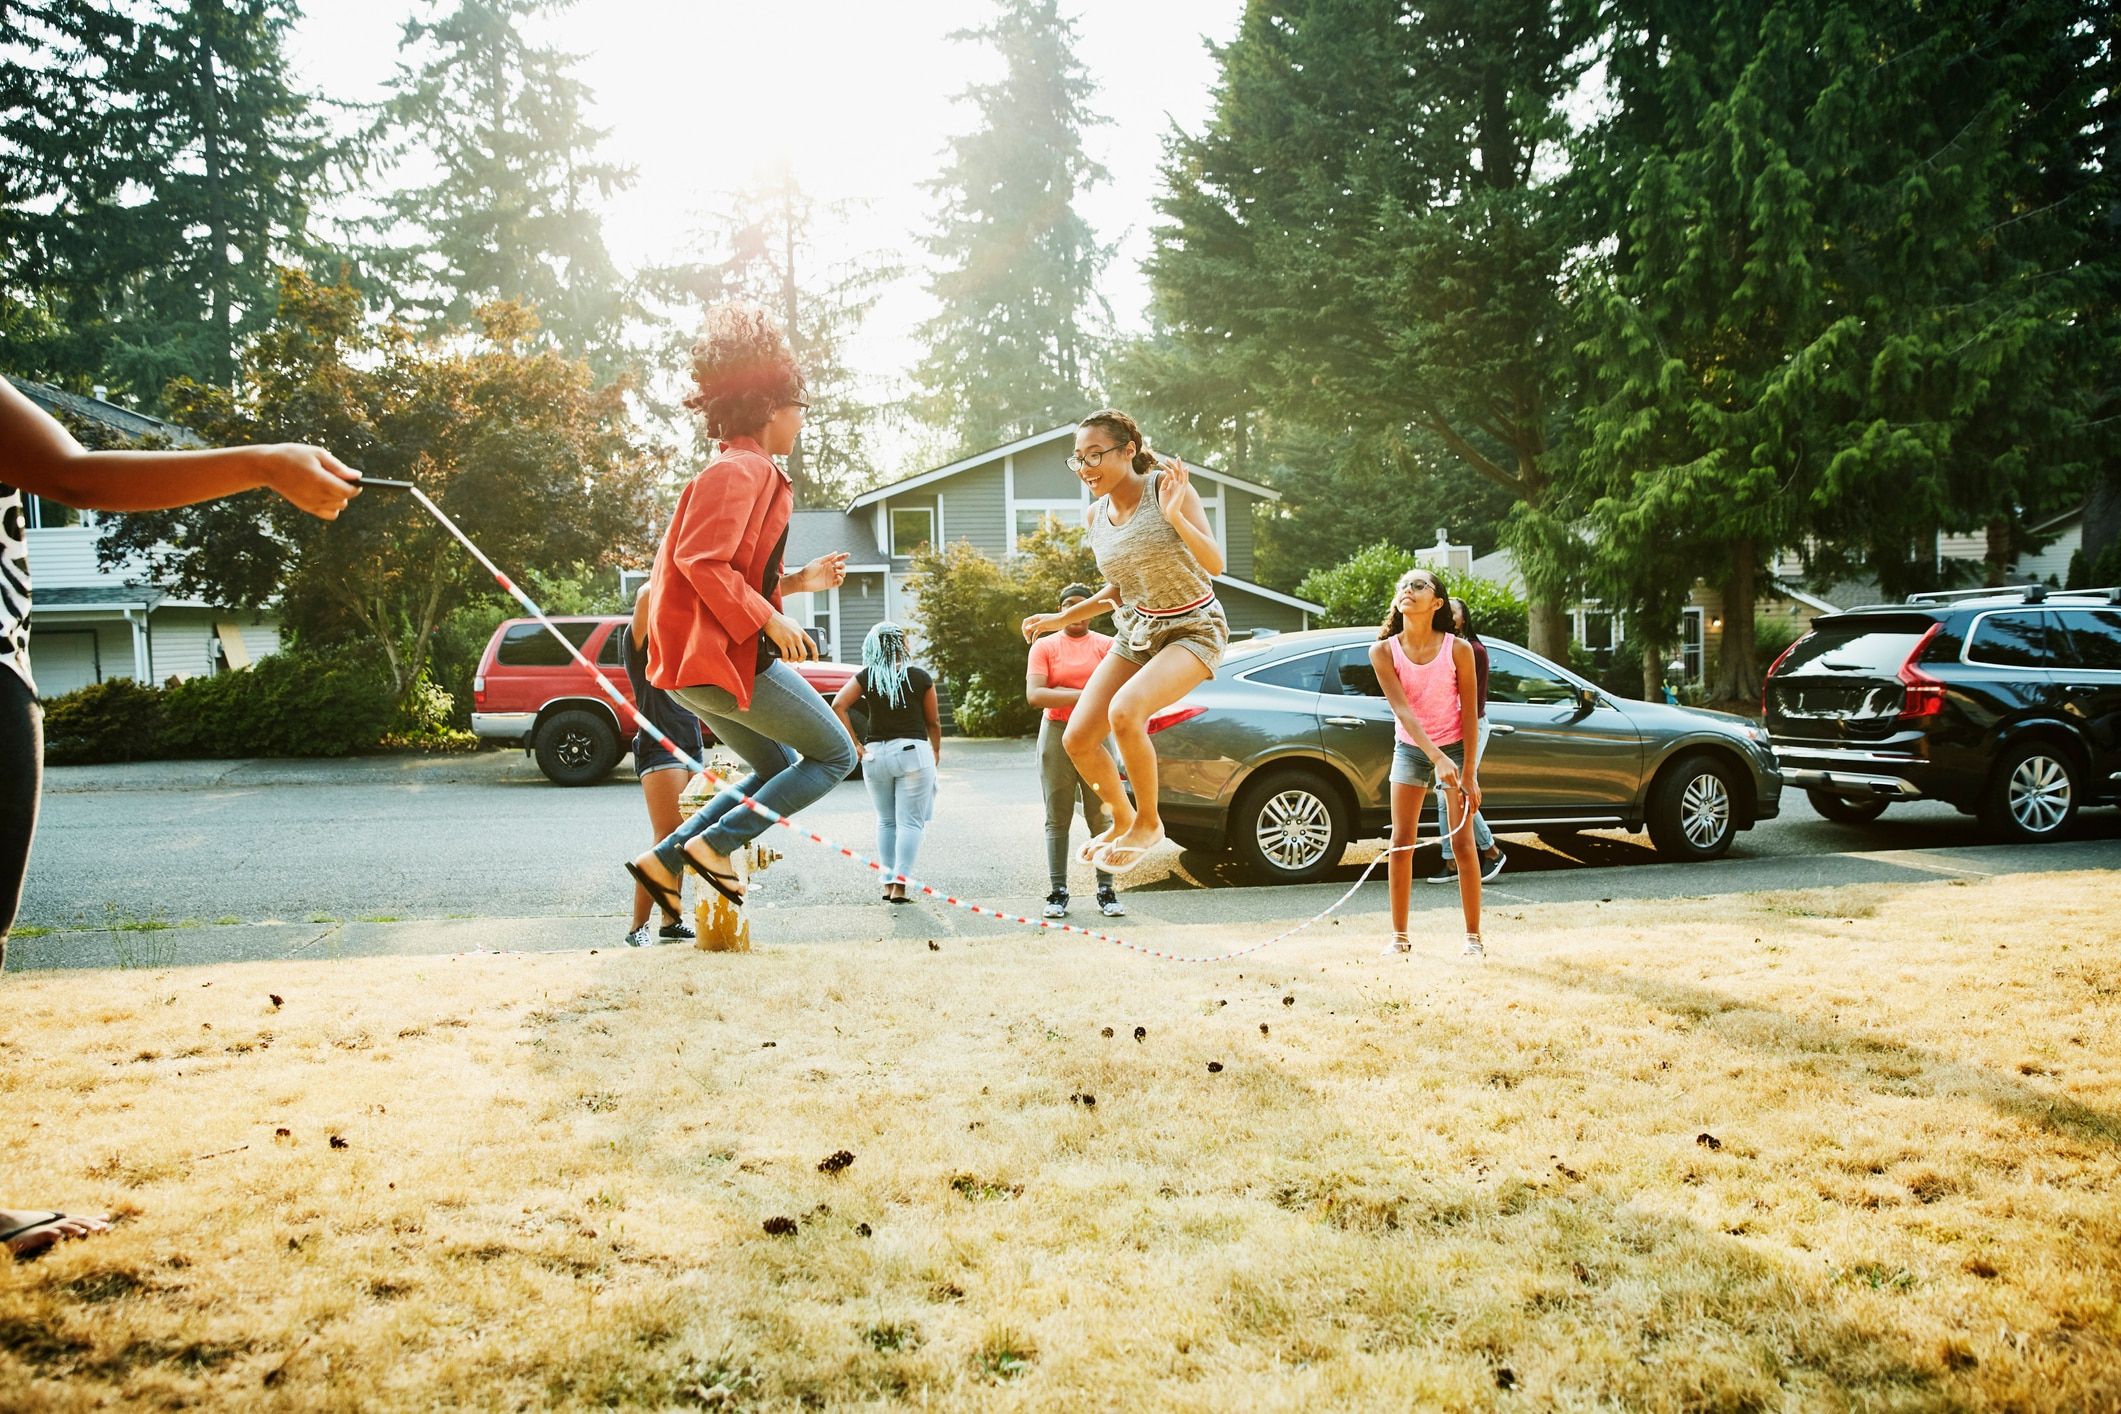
(1847, 810)
(1693, 809)
(577, 748)
(2032, 794)
(1289, 827)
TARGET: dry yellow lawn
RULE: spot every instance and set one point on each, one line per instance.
(1852, 1149)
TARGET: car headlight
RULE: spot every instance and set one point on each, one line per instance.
(1756, 734)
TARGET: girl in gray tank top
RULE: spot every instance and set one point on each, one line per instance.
(1159, 557)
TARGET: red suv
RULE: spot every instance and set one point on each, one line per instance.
(529, 692)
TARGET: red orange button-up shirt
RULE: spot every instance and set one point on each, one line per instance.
(708, 609)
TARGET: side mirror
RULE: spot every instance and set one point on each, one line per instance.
(1586, 701)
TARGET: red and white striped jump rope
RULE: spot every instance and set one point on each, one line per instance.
(718, 782)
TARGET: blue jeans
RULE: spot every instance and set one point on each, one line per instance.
(901, 777)
(1483, 837)
(796, 749)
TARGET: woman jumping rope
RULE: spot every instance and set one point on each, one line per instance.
(1159, 557)
(717, 640)
(1428, 675)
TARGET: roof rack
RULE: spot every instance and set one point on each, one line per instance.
(2027, 593)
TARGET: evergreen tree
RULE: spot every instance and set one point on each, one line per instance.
(507, 216)
(1831, 306)
(1009, 353)
(160, 163)
(1370, 227)
(765, 249)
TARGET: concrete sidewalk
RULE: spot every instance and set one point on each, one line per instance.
(1185, 919)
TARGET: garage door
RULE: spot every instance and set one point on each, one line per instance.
(63, 660)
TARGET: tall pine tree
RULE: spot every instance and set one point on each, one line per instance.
(1372, 228)
(160, 162)
(1011, 350)
(499, 125)
(765, 248)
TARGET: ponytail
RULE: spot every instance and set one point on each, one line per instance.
(1123, 429)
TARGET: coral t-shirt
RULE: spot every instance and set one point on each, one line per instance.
(1068, 662)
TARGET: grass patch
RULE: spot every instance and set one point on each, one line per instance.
(28, 930)
(1740, 1153)
(371, 918)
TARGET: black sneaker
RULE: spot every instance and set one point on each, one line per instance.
(678, 932)
(1108, 903)
(1057, 904)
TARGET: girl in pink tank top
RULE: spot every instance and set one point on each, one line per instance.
(1427, 673)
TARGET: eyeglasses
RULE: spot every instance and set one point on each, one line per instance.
(1090, 458)
(1410, 584)
(797, 403)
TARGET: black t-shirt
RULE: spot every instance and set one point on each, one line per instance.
(906, 720)
(769, 581)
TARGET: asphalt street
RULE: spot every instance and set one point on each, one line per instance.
(270, 857)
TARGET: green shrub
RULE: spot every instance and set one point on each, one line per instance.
(1358, 591)
(971, 611)
(1771, 634)
(293, 703)
(118, 720)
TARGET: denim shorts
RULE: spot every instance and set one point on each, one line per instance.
(1411, 765)
(650, 755)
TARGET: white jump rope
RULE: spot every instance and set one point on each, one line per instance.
(718, 782)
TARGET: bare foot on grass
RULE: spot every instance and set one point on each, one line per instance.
(27, 1232)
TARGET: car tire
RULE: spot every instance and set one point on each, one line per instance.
(1289, 827)
(1693, 808)
(1847, 810)
(577, 747)
(2032, 793)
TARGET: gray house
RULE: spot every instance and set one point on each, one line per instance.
(990, 499)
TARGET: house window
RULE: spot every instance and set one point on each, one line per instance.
(1595, 628)
(817, 613)
(50, 515)
(911, 528)
(1029, 517)
(1690, 639)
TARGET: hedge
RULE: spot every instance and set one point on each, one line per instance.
(293, 703)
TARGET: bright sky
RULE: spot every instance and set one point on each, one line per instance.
(858, 94)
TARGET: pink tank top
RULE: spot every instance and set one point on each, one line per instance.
(1432, 691)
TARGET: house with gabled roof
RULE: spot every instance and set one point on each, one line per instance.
(991, 499)
(89, 623)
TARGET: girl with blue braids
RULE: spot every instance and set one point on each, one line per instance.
(901, 743)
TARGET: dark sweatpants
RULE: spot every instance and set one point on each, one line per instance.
(21, 781)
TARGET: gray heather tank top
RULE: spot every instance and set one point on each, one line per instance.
(1144, 559)
(14, 585)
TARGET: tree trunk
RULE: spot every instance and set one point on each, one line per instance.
(2102, 522)
(206, 19)
(1652, 672)
(1996, 564)
(1549, 627)
(1737, 675)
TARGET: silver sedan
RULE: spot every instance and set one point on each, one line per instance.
(1282, 758)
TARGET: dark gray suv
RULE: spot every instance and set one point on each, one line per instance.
(1282, 758)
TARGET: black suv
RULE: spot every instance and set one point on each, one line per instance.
(2004, 703)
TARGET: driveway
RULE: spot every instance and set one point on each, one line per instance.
(443, 853)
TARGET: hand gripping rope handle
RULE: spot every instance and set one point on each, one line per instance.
(619, 700)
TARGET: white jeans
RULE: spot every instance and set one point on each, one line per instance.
(901, 778)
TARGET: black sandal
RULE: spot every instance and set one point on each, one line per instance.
(670, 901)
(720, 883)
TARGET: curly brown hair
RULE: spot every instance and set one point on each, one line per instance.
(743, 370)
(1123, 429)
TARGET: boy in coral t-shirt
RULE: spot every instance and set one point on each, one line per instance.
(1059, 665)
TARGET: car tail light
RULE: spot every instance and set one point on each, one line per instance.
(1780, 658)
(1172, 716)
(478, 689)
(1924, 695)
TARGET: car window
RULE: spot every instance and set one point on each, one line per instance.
(612, 653)
(1872, 647)
(1513, 677)
(530, 646)
(1305, 673)
(2010, 638)
(1352, 674)
(2094, 639)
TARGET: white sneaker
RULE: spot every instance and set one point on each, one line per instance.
(642, 936)
(1398, 947)
(1108, 903)
(1057, 904)
(1473, 947)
